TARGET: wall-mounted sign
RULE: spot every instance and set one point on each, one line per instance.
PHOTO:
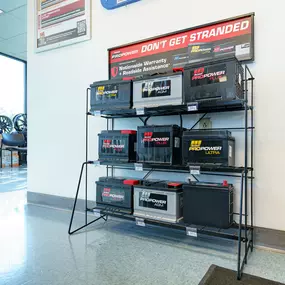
(113, 4)
(62, 22)
(228, 37)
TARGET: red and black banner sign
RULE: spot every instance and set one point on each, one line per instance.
(161, 54)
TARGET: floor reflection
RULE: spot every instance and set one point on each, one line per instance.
(13, 199)
(13, 235)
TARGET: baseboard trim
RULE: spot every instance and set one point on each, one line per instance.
(265, 239)
(54, 201)
(265, 248)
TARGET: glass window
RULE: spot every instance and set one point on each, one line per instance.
(12, 86)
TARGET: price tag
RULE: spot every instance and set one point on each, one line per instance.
(192, 232)
(97, 213)
(97, 113)
(195, 170)
(140, 222)
(192, 107)
(97, 163)
(138, 166)
(140, 111)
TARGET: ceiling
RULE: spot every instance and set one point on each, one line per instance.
(13, 28)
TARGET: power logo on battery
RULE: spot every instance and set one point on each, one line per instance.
(196, 145)
(107, 193)
(156, 88)
(199, 71)
(151, 200)
(102, 90)
(149, 137)
(109, 144)
(220, 75)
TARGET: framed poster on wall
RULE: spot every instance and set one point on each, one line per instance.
(62, 22)
(229, 37)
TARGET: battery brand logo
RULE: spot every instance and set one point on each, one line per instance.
(211, 75)
(199, 49)
(156, 88)
(199, 71)
(148, 138)
(195, 145)
(101, 91)
(124, 54)
(108, 144)
(146, 198)
(159, 89)
(107, 193)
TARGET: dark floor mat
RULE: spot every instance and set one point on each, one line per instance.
(221, 276)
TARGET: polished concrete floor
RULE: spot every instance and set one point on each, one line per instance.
(35, 248)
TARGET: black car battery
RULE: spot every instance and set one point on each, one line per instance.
(158, 200)
(213, 82)
(116, 193)
(158, 90)
(208, 204)
(159, 144)
(111, 95)
(117, 146)
(213, 147)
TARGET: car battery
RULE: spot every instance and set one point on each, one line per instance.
(111, 95)
(208, 204)
(117, 146)
(213, 82)
(216, 147)
(159, 144)
(158, 200)
(116, 193)
(158, 90)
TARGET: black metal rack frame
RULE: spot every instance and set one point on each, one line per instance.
(241, 232)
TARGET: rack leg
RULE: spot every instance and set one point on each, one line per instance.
(86, 181)
(86, 151)
(75, 202)
(239, 273)
(246, 168)
(76, 197)
(252, 164)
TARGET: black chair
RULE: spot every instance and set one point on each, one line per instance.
(13, 142)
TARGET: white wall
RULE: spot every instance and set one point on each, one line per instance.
(57, 81)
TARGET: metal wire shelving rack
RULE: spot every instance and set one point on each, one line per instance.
(241, 231)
